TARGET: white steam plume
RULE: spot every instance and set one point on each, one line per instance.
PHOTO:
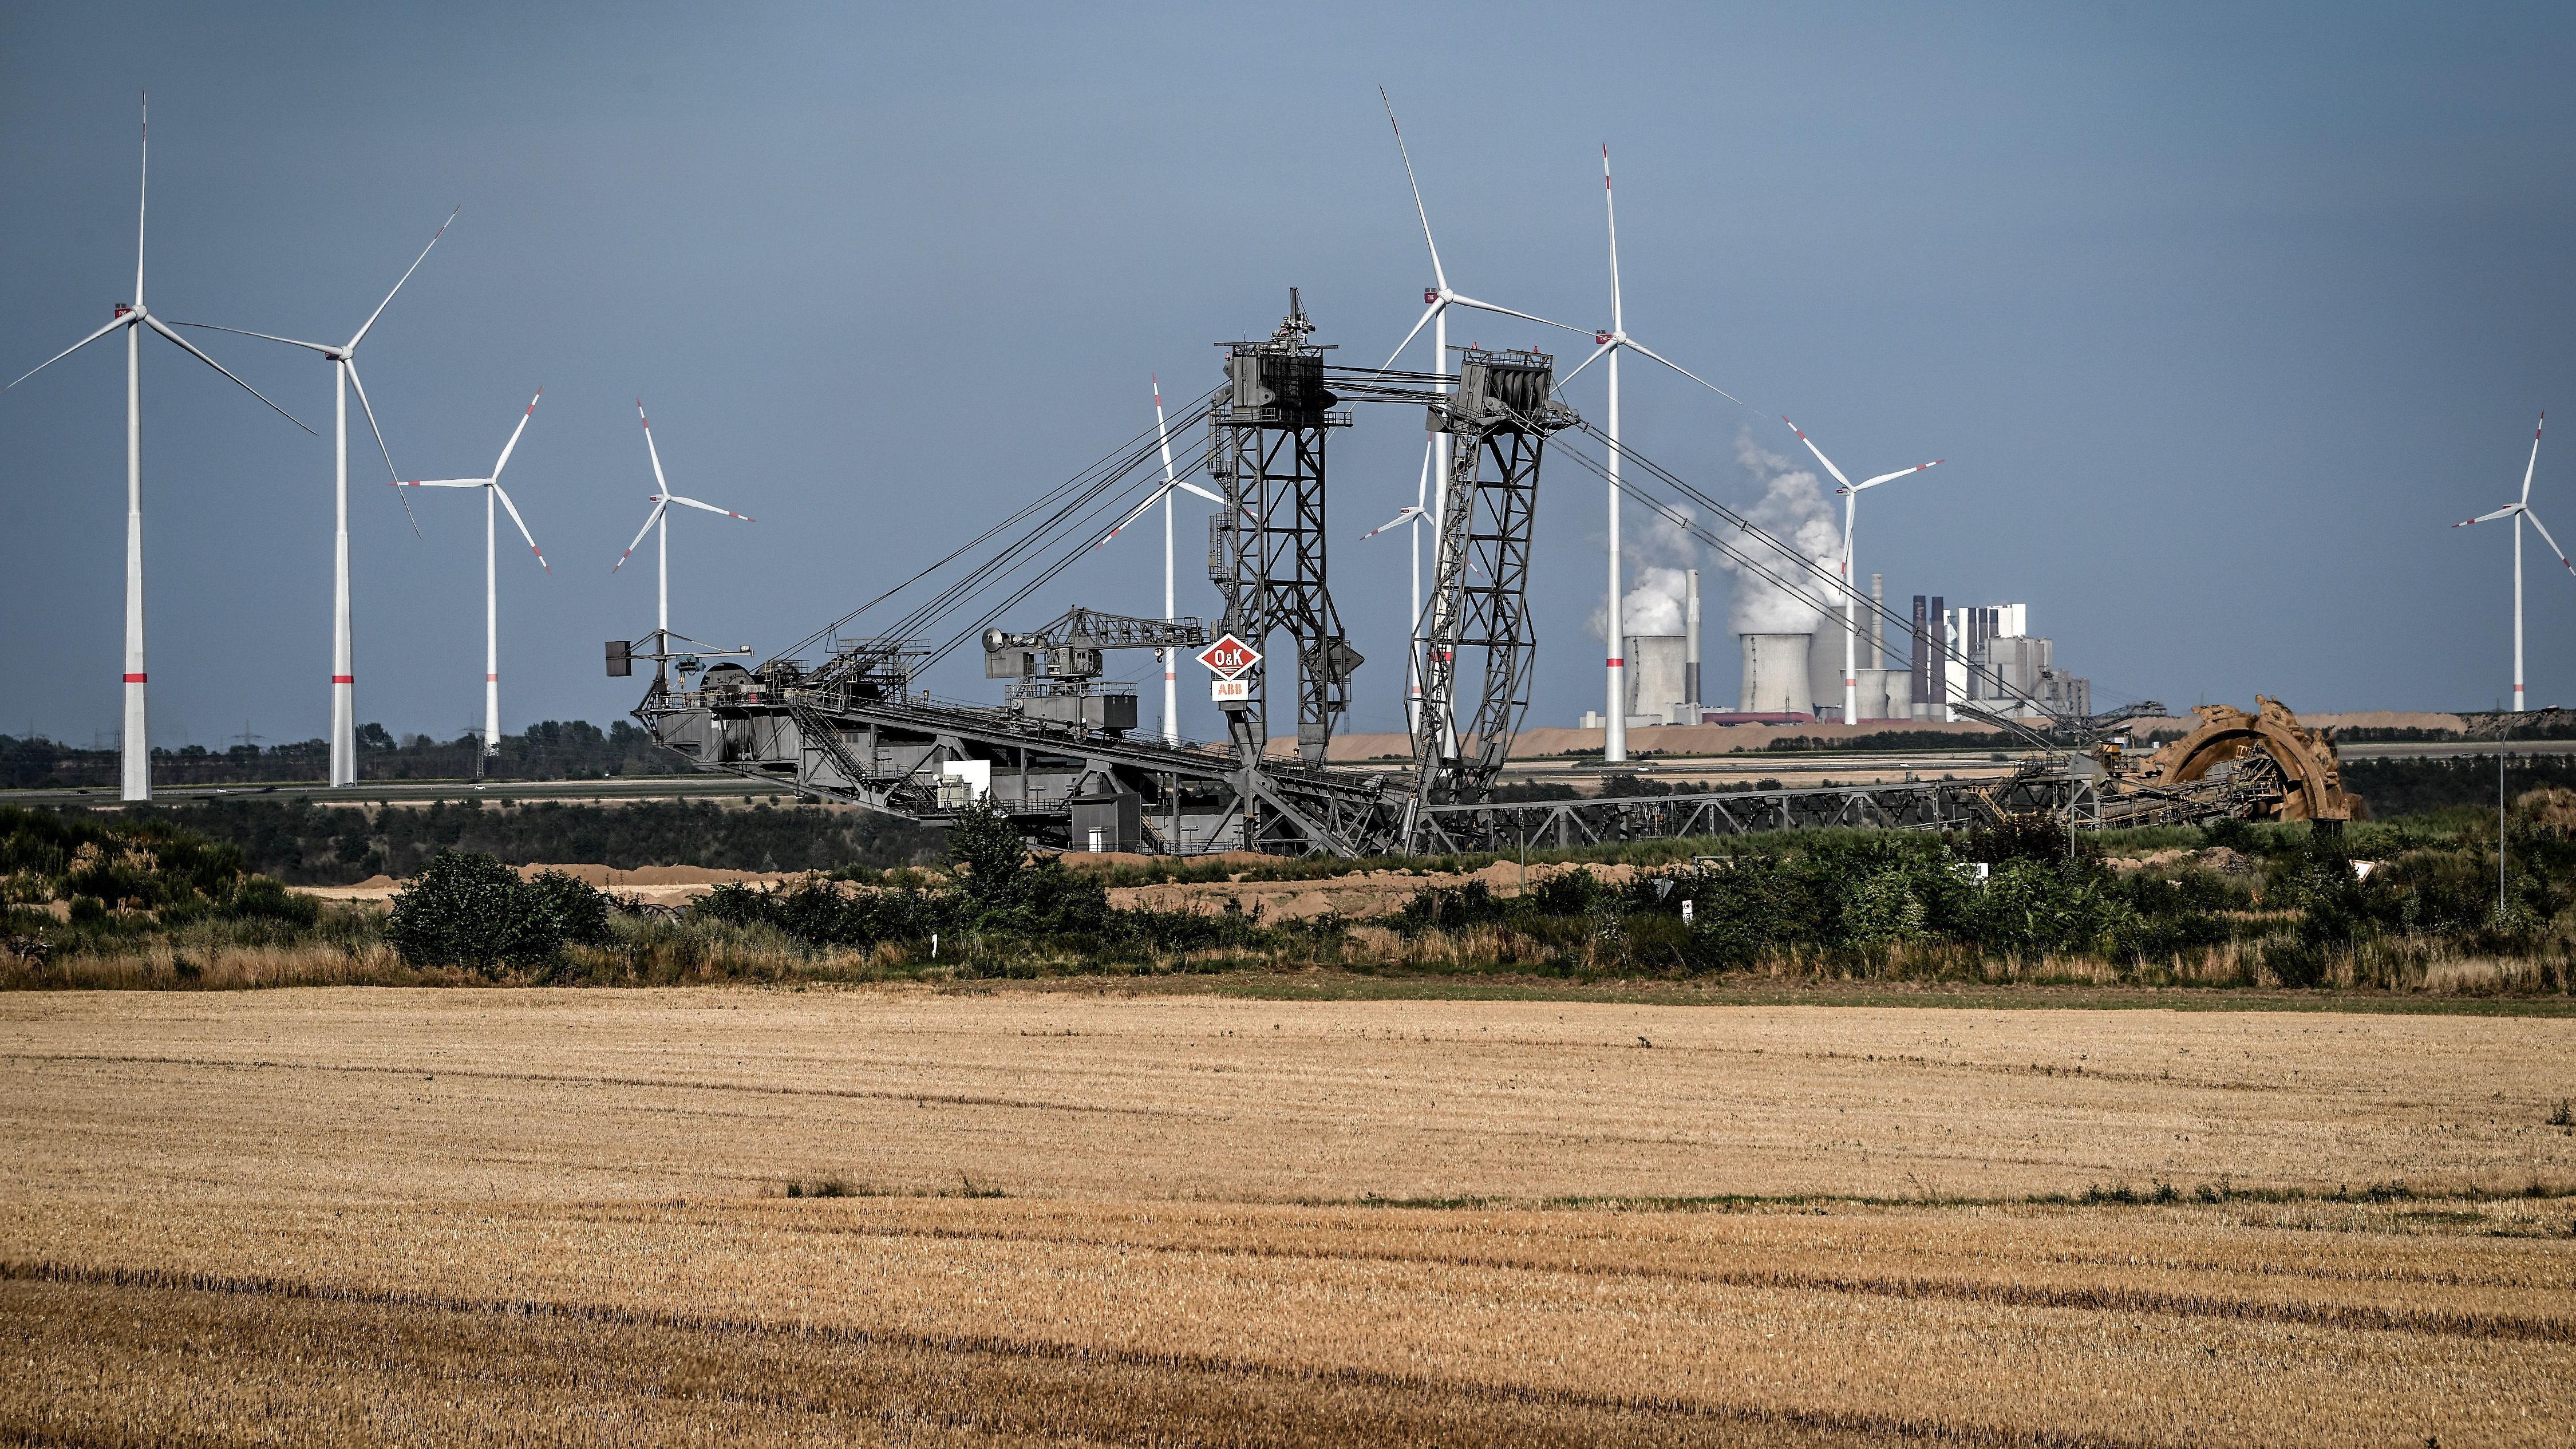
(1658, 554)
(1794, 510)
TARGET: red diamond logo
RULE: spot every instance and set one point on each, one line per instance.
(1229, 657)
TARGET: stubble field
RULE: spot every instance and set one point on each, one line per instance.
(529, 1216)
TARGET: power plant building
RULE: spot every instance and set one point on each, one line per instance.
(1777, 677)
(1981, 655)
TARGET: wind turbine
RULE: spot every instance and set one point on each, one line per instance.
(2518, 511)
(344, 376)
(661, 514)
(1163, 495)
(1612, 343)
(1851, 499)
(1437, 300)
(1415, 514)
(136, 774)
(491, 589)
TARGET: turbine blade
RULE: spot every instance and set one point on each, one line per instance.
(1187, 486)
(1162, 432)
(406, 276)
(124, 321)
(1132, 515)
(351, 363)
(1686, 372)
(1819, 452)
(2553, 543)
(2508, 511)
(1437, 363)
(155, 324)
(649, 520)
(1466, 301)
(1587, 362)
(512, 445)
(1611, 208)
(523, 526)
(1899, 473)
(440, 483)
(321, 347)
(1437, 276)
(1402, 515)
(649, 447)
(2535, 458)
(709, 507)
(142, 196)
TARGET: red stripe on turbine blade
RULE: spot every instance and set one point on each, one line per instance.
(491, 679)
(1616, 663)
(134, 678)
(344, 679)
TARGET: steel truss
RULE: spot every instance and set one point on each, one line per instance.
(895, 756)
(856, 731)
(1501, 418)
(1266, 451)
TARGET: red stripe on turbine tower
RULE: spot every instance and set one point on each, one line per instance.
(134, 679)
(344, 679)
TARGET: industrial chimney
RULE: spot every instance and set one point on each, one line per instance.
(1690, 644)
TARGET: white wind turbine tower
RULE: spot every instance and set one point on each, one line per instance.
(2518, 511)
(1851, 498)
(491, 588)
(1416, 514)
(344, 376)
(136, 773)
(1163, 495)
(1612, 343)
(1437, 299)
(661, 514)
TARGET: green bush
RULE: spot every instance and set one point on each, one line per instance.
(259, 898)
(986, 848)
(473, 912)
(580, 910)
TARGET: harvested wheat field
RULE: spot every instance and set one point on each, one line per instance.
(366, 1216)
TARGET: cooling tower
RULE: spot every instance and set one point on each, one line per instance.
(1656, 679)
(1873, 685)
(1825, 668)
(1775, 674)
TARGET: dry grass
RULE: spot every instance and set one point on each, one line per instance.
(425, 1216)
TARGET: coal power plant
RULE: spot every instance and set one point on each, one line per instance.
(1978, 655)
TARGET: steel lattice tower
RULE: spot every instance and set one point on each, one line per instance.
(1500, 417)
(1266, 549)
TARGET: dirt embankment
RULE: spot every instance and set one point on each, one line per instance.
(663, 884)
(1359, 895)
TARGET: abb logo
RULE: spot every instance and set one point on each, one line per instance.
(1229, 657)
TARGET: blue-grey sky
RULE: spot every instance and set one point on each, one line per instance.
(2221, 315)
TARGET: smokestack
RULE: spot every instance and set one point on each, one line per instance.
(1940, 656)
(1922, 653)
(1690, 645)
(1877, 622)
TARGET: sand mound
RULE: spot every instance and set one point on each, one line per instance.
(657, 875)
